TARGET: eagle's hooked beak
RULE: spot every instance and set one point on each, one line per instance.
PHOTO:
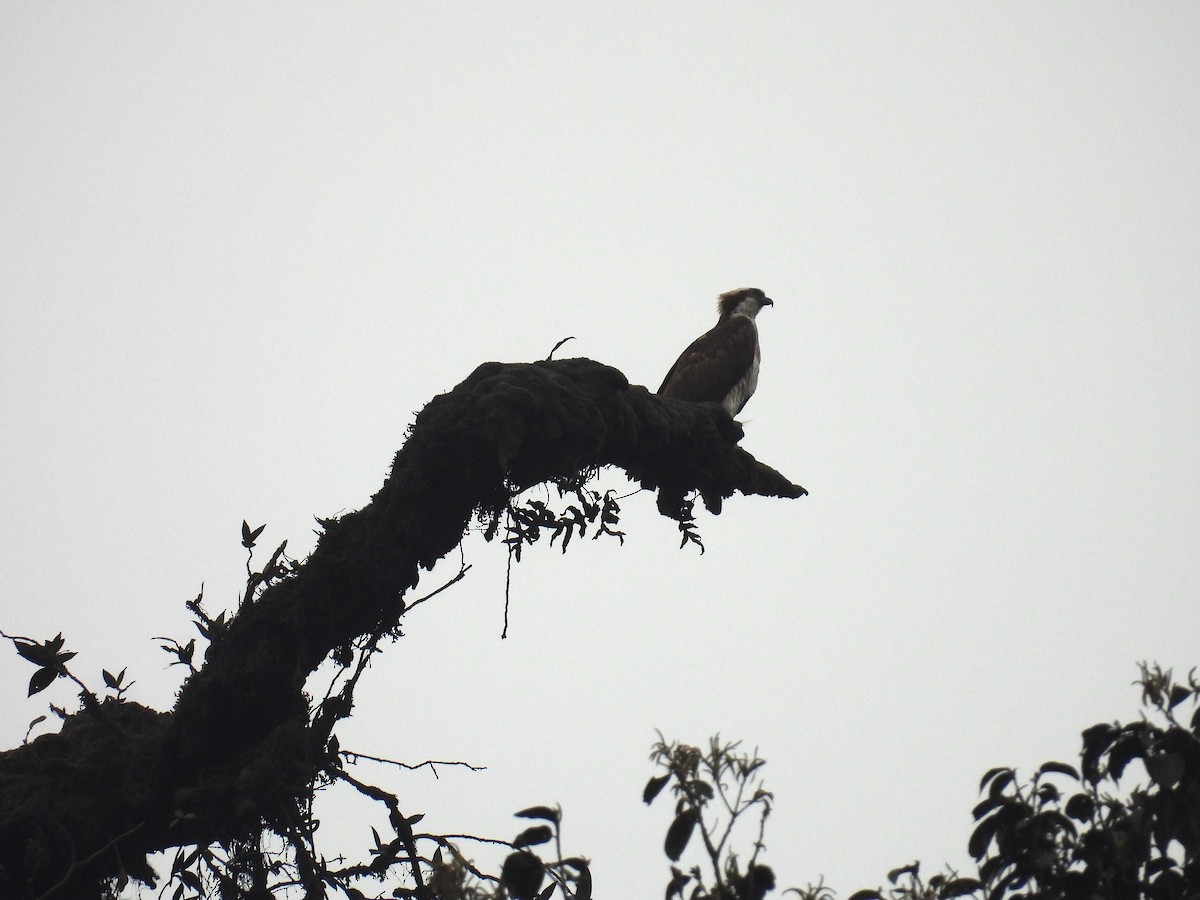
(767, 301)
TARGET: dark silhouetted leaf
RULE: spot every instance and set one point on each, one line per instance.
(539, 812)
(34, 652)
(1080, 807)
(192, 880)
(1059, 767)
(982, 836)
(960, 886)
(990, 774)
(1047, 793)
(1052, 819)
(250, 535)
(547, 893)
(865, 895)
(755, 884)
(1001, 781)
(991, 867)
(677, 883)
(911, 869)
(41, 680)
(1096, 740)
(654, 787)
(985, 806)
(185, 860)
(583, 884)
(522, 873)
(1122, 753)
(1166, 768)
(680, 833)
(538, 834)
(1170, 884)
(1178, 694)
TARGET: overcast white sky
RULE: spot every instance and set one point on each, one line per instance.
(242, 244)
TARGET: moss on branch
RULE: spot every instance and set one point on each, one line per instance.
(237, 748)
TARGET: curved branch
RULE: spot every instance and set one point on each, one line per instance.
(237, 748)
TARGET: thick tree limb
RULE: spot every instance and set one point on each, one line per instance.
(238, 748)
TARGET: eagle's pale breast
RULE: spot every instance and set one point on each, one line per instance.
(721, 366)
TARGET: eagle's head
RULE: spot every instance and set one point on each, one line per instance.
(742, 302)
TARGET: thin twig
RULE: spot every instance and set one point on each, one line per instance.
(353, 756)
(397, 819)
(559, 344)
(455, 580)
(762, 829)
(507, 586)
(442, 838)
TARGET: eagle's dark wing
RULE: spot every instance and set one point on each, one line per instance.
(713, 363)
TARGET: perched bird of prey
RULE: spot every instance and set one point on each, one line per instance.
(721, 366)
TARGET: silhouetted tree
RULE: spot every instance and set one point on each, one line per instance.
(227, 777)
(238, 757)
(1077, 832)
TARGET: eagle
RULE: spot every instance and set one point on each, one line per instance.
(721, 366)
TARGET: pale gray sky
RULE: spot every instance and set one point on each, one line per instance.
(242, 244)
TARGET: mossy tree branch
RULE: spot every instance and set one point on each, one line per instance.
(238, 748)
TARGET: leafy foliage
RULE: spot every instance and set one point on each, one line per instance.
(48, 656)
(1071, 833)
(688, 531)
(706, 785)
(1123, 823)
(1078, 833)
(524, 523)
